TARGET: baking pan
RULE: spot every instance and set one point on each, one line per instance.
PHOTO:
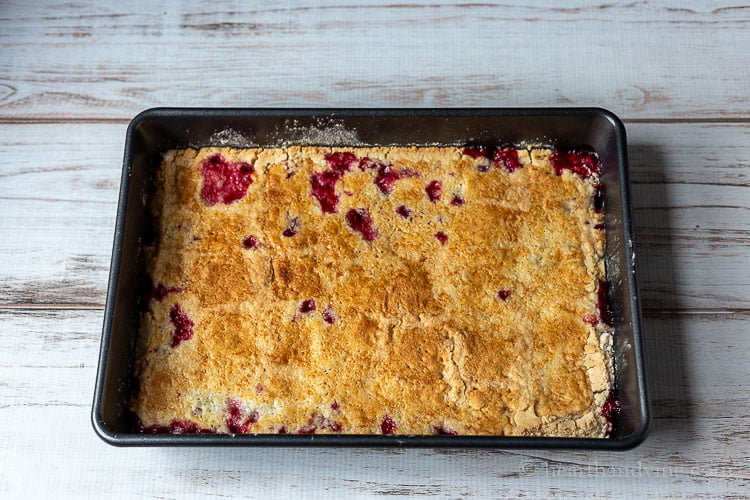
(156, 130)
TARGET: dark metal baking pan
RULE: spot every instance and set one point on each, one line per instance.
(157, 130)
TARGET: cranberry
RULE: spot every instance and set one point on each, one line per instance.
(434, 191)
(283, 430)
(388, 426)
(224, 182)
(292, 228)
(581, 162)
(441, 237)
(259, 388)
(366, 164)
(404, 211)
(360, 221)
(504, 295)
(335, 406)
(610, 411)
(605, 310)
(457, 201)
(250, 242)
(598, 198)
(507, 157)
(238, 422)
(160, 291)
(328, 315)
(307, 306)
(312, 424)
(323, 184)
(590, 319)
(476, 152)
(183, 326)
(443, 431)
(387, 176)
(340, 161)
(599, 227)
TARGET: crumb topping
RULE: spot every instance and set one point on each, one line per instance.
(419, 290)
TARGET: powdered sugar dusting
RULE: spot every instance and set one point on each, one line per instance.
(230, 138)
(324, 132)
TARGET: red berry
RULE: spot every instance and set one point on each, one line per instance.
(183, 326)
(249, 243)
(388, 426)
(224, 182)
(387, 176)
(590, 319)
(340, 161)
(610, 411)
(160, 291)
(476, 152)
(504, 295)
(404, 211)
(328, 315)
(307, 306)
(360, 221)
(507, 157)
(581, 162)
(239, 419)
(434, 191)
(323, 184)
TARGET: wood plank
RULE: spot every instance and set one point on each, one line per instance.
(691, 209)
(58, 202)
(691, 198)
(699, 445)
(62, 59)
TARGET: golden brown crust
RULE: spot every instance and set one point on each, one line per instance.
(419, 335)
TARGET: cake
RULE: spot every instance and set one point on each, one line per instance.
(380, 290)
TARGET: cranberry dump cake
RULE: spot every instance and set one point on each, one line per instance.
(385, 290)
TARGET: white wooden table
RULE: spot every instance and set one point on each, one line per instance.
(72, 74)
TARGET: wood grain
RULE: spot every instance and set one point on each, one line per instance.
(62, 59)
(699, 444)
(58, 241)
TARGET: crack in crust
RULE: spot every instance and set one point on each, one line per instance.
(453, 369)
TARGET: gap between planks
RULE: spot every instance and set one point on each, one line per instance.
(52, 307)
